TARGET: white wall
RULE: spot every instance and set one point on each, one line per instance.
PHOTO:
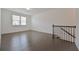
(77, 28)
(7, 22)
(43, 22)
(0, 27)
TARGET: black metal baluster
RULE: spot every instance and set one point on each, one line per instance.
(53, 31)
(71, 36)
(64, 34)
(74, 34)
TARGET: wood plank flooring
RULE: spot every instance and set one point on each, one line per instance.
(34, 41)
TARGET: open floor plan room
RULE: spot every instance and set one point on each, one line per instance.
(38, 29)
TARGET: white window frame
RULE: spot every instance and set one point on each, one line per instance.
(19, 20)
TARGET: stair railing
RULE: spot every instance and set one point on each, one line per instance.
(67, 33)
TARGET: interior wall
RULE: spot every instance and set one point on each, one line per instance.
(43, 22)
(77, 28)
(7, 26)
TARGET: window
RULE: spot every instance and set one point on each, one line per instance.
(23, 20)
(18, 20)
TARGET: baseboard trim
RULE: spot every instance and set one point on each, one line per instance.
(41, 31)
(14, 32)
(27, 30)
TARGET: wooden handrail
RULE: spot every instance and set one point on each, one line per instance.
(68, 32)
(63, 26)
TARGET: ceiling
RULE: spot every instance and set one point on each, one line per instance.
(32, 11)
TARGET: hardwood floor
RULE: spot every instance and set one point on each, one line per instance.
(34, 41)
